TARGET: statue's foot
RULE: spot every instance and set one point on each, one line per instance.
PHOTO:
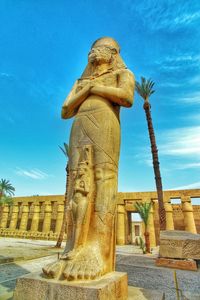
(54, 269)
(87, 264)
(71, 254)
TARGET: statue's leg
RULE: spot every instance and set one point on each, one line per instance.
(97, 256)
(54, 270)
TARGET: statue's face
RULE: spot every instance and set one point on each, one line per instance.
(82, 170)
(100, 55)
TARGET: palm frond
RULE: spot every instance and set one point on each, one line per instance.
(6, 200)
(6, 187)
(143, 210)
(145, 88)
(65, 150)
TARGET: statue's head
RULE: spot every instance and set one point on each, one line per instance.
(82, 168)
(106, 42)
(104, 51)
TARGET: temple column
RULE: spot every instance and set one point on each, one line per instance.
(4, 218)
(169, 214)
(188, 214)
(151, 228)
(59, 218)
(14, 216)
(121, 238)
(47, 217)
(24, 218)
(36, 217)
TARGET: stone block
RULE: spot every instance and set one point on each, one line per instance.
(112, 286)
(179, 244)
(177, 264)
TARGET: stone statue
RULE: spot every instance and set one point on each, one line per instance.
(95, 100)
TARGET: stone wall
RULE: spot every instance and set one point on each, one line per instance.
(41, 217)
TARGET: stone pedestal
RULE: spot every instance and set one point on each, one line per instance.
(112, 286)
(180, 264)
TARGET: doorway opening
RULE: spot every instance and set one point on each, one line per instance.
(135, 228)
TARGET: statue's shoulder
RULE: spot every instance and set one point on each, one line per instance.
(126, 74)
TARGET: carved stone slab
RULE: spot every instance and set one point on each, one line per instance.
(112, 286)
(179, 244)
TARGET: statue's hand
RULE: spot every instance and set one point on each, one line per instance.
(89, 86)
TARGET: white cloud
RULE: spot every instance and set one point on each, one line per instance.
(33, 173)
(171, 16)
(187, 18)
(3, 74)
(193, 117)
(185, 166)
(195, 185)
(183, 142)
(190, 99)
(179, 62)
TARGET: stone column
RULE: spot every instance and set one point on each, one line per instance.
(14, 216)
(151, 228)
(169, 214)
(36, 217)
(59, 218)
(188, 214)
(121, 238)
(24, 218)
(47, 217)
(4, 218)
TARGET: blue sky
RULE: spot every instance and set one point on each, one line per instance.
(43, 50)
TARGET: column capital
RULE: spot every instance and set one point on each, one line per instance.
(185, 199)
(5, 208)
(121, 208)
(187, 207)
(25, 208)
(60, 207)
(168, 207)
(36, 207)
(47, 207)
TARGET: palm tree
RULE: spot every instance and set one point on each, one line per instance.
(66, 215)
(145, 90)
(143, 209)
(6, 192)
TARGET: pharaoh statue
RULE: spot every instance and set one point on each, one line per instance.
(94, 101)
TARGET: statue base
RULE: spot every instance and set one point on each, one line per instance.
(112, 286)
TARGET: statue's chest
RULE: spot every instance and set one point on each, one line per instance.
(109, 79)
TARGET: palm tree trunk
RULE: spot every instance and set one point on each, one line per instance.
(154, 151)
(147, 241)
(64, 222)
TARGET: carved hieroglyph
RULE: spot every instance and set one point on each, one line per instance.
(179, 244)
(95, 101)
